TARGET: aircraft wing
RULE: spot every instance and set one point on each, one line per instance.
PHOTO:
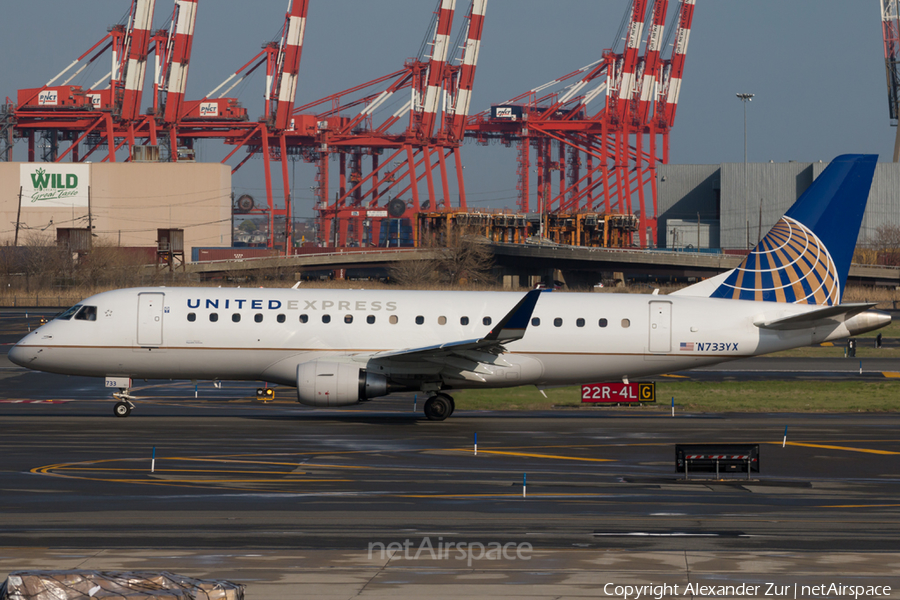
(807, 319)
(509, 329)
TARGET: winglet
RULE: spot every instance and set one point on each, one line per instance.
(509, 329)
(513, 325)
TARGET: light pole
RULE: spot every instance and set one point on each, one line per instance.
(745, 98)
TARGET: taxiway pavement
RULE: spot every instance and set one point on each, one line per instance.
(299, 502)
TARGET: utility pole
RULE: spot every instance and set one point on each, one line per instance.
(18, 217)
(745, 98)
(759, 228)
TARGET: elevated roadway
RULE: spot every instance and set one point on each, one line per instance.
(342, 258)
(526, 259)
(651, 263)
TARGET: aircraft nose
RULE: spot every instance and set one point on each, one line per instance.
(21, 355)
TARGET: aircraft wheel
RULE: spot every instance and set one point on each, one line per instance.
(449, 399)
(438, 408)
(122, 409)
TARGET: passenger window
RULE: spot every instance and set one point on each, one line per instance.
(420, 319)
(348, 319)
(603, 323)
(393, 319)
(68, 314)
(258, 317)
(579, 323)
(626, 323)
(442, 320)
(280, 318)
(236, 317)
(557, 322)
(87, 313)
(535, 321)
(192, 317)
(370, 319)
(326, 318)
(486, 320)
(304, 318)
(213, 317)
(464, 320)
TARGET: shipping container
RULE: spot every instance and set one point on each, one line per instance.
(207, 254)
(395, 233)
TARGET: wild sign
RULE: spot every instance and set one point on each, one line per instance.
(54, 185)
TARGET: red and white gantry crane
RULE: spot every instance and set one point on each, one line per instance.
(890, 30)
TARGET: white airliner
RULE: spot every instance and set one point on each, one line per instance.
(343, 347)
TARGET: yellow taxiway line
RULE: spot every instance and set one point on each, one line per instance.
(529, 455)
(845, 448)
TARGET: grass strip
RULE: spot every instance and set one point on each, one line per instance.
(705, 396)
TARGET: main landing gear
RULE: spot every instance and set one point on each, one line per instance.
(439, 407)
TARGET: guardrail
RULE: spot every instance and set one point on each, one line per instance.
(339, 253)
(39, 301)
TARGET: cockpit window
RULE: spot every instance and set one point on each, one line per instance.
(87, 313)
(68, 314)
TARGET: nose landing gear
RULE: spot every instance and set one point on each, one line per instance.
(439, 407)
(124, 405)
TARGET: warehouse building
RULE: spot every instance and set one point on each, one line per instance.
(729, 206)
(123, 204)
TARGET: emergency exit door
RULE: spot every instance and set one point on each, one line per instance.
(150, 319)
(660, 327)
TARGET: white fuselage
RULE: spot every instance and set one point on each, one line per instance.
(264, 334)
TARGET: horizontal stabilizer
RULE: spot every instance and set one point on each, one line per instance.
(840, 312)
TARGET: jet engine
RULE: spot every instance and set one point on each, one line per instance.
(325, 383)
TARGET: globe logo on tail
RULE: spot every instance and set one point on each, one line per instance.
(791, 264)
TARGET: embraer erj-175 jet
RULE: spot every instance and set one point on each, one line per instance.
(343, 347)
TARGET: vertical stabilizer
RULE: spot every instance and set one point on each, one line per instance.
(805, 257)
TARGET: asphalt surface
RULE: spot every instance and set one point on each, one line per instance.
(212, 482)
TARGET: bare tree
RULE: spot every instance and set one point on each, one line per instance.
(43, 263)
(461, 256)
(887, 244)
(466, 258)
(109, 265)
(415, 273)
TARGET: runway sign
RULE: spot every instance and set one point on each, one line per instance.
(618, 392)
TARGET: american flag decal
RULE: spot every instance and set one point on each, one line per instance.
(686, 347)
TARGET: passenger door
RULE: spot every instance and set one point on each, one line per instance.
(660, 327)
(150, 319)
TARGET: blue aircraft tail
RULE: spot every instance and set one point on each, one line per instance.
(805, 258)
